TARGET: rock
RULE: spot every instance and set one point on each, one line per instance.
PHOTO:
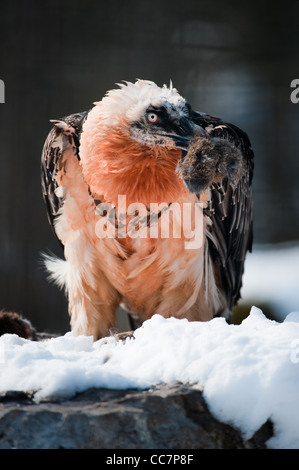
(165, 417)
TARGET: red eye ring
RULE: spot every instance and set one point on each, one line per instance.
(152, 118)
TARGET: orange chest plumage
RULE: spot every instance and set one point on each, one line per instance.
(120, 169)
(144, 269)
(119, 165)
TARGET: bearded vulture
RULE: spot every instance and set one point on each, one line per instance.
(127, 185)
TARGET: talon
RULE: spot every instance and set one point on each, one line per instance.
(124, 335)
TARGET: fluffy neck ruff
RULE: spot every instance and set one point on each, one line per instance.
(113, 164)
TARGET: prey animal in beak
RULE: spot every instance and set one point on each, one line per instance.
(207, 160)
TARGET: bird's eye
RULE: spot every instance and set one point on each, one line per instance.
(152, 118)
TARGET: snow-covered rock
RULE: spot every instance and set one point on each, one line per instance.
(248, 373)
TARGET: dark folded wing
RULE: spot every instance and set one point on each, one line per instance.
(65, 134)
(230, 210)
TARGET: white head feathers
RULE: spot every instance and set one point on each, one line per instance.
(132, 99)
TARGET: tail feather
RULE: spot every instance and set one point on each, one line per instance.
(58, 270)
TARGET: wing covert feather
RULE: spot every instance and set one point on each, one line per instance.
(230, 210)
(65, 134)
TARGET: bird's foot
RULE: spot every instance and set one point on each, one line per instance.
(123, 335)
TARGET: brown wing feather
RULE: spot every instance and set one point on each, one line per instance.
(64, 134)
(230, 210)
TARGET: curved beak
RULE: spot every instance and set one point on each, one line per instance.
(179, 141)
(186, 132)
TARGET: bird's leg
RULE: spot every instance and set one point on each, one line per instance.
(209, 160)
(93, 311)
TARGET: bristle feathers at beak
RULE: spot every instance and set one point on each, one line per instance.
(182, 140)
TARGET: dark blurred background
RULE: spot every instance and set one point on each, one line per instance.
(232, 59)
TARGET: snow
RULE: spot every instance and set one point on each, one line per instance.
(248, 372)
(271, 278)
